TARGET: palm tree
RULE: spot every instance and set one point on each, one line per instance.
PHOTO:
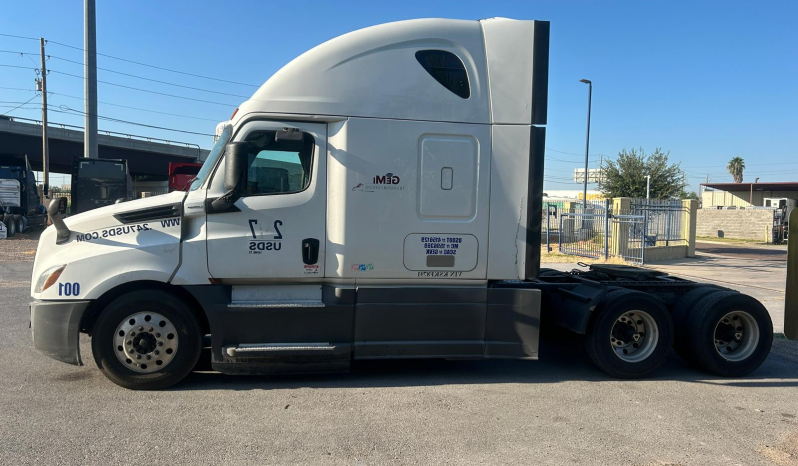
(736, 167)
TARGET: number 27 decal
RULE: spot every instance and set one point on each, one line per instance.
(277, 225)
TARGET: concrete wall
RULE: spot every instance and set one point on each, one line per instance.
(665, 253)
(739, 224)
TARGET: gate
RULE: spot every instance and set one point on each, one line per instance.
(584, 232)
(598, 232)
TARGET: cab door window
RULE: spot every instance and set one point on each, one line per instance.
(280, 162)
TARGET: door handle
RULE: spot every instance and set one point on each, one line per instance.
(310, 251)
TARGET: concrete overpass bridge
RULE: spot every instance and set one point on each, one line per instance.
(148, 157)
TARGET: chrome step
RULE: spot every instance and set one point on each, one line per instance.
(254, 350)
(275, 304)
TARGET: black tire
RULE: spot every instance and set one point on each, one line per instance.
(680, 313)
(20, 224)
(118, 311)
(614, 306)
(11, 226)
(704, 322)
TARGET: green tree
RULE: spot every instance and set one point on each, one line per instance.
(736, 167)
(690, 195)
(626, 176)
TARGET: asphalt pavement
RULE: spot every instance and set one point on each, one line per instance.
(559, 410)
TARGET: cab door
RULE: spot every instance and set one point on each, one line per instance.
(276, 230)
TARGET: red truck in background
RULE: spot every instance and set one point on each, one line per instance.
(180, 174)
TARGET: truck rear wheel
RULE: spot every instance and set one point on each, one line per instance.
(146, 340)
(20, 224)
(681, 312)
(730, 334)
(11, 225)
(629, 335)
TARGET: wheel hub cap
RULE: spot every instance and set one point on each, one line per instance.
(145, 342)
(634, 336)
(736, 336)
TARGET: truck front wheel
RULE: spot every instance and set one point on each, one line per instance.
(146, 340)
(11, 225)
(730, 333)
(629, 335)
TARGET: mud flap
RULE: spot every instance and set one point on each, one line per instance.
(791, 298)
(575, 307)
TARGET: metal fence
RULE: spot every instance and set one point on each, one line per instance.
(584, 231)
(603, 230)
(663, 220)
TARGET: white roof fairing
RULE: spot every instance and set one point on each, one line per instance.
(373, 73)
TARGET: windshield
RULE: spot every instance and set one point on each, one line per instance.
(12, 173)
(216, 152)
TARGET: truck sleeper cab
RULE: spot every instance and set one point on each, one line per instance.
(378, 197)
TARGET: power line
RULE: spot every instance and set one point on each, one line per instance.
(20, 105)
(146, 90)
(152, 80)
(70, 111)
(156, 67)
(19, 37)
(116, 105)
(135, 108)
(15, 52)
(15, 89)
(66, 109)
(21, 67)
(572, 153)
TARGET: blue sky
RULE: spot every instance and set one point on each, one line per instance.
(704, 80)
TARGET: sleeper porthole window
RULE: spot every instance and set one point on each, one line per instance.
(447, 69)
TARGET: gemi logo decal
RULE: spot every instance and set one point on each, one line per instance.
(388, 178)
(386, 182)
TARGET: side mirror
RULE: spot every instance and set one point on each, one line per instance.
(62, 205)
(236, 162)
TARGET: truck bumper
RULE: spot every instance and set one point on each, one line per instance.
(55, 326)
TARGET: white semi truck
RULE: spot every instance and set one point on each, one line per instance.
(378, 197)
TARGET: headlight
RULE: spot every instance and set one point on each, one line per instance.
(49, 277)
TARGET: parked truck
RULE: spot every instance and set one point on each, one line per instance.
(181, 174)
(98, 183)
(378, 197)
(20, 204)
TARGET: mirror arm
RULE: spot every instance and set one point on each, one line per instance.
(225, 201)
(62, 231)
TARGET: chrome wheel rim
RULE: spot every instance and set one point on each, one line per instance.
(145, 342)
(634, 336)
(736, 336)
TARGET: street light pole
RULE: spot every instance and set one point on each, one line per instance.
(587, 136)
(648, 185)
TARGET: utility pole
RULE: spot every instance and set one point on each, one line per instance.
(648, 185)
(90, 81)
(45, 141)
(587, 136)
